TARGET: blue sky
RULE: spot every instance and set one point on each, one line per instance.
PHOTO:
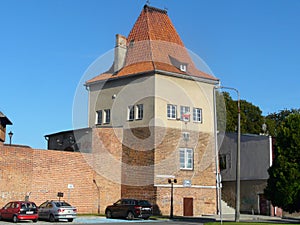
(46, 47)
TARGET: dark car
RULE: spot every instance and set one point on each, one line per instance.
(130, 209)
(19, 210)
(55, 210)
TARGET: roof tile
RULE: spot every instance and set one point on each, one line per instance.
(154, 44)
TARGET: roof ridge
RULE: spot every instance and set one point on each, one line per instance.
(146, 7)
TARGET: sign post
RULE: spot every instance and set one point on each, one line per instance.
(70, 186)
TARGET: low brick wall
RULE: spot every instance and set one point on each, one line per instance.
(114, 170)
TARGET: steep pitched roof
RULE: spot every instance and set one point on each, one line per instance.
(153, 44)
(4, 120)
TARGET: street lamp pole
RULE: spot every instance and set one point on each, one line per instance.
(170, 181)
(238, 157)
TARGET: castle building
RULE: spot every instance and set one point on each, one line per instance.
(159, 107)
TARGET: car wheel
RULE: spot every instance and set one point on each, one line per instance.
(35, 220)
(15, 219)
(146, 218)
(108, 214)
(52, 218)
(130, 215)
(70, 220)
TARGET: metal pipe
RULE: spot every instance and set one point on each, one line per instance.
(238, 158)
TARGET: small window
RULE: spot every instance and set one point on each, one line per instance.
(222, 162)
(107, 115)
(172, 111)
(140, 111)
(186, 136)
(99, 117)
(185, 113)
(131, 43)
(186, 158)
(197, 115)
(183, 67)
(130, 112)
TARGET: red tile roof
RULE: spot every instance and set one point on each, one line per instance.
(153, 44)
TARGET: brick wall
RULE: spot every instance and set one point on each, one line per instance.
(41, 174)
(164, 160)
(97, 176)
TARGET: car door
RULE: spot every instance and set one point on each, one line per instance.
(4, 211)
(124, 208)
(41, 210)
(49, 210)
(116, 210)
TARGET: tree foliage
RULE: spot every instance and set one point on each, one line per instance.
(227, 113)
(273, 120)
(283, 186)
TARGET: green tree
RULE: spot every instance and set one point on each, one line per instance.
(283, 186)
(273, 120)
(227, 113)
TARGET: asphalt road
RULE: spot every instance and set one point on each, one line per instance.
(103, 220)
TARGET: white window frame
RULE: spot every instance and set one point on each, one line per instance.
(130, 113)
(186, 158)
(171, 111)
(184, 110)
(106, 116)
(197, 115)
(139, 111)
(99, 119)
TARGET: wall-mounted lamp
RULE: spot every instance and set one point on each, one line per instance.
(10, 134)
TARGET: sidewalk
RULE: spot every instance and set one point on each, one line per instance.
(201, 219)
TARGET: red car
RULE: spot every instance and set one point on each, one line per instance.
(19, 210)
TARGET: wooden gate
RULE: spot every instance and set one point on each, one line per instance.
(188, 209)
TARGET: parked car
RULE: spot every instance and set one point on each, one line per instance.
(56, 210)
(19, 210)
(130, 209)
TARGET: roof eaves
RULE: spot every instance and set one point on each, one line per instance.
(145, 73)
(189, 77)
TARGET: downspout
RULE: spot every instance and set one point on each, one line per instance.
(218, 176)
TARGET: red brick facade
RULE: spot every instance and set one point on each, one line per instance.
(112, 171)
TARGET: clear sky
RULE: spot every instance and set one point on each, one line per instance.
(47, 45)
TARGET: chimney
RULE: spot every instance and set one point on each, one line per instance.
(120, 52)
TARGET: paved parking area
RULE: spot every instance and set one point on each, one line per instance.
(81, 220)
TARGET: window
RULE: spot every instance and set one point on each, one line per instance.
(222, 161)
(184, 113)
(130, 112)
(197, 115)
(171, 111)
(99, 117)
(140, 111)
(186, 158)
(107, 115)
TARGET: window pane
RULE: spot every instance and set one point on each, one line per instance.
(130, 112)
(185, 113)
(186, 158)
(107, 115)
(197, 115)
(171, 111)
(140, 111)
(182, 159)
(99, 117)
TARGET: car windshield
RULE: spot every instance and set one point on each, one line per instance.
(28, 205)
(143, 202)
(61, 204)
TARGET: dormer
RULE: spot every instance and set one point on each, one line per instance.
(3, 122)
